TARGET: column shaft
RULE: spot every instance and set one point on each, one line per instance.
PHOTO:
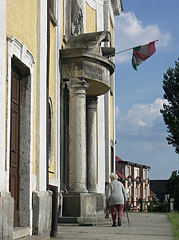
(92, 144)
(77, 135)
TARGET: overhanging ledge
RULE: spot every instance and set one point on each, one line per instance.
(88, 62)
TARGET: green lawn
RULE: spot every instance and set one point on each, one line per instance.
(174, 219)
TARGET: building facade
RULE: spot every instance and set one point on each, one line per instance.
(135, 178)
(56, 110)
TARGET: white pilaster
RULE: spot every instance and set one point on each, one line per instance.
(42, 97)
(2, 92)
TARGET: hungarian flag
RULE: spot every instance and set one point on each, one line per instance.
(141, 53)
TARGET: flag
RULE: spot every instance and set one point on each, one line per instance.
(141, 53)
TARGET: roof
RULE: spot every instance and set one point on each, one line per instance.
(131, 163)
(121, 175)
(119, 159)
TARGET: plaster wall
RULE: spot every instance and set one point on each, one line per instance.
(22, 24)
(52, 94)
(2, 93)
(58, 37)
(91, 23)
(94, 16)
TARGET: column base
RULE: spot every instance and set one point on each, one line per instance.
(82, 205)
(42, 212)
(6, 215)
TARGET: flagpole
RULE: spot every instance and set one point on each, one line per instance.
(127, 49)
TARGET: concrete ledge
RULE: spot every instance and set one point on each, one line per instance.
(20, 232)
(83, 220)
(6, 215)
(42, 207)
(36, 238)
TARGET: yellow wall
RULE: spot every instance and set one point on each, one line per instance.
(91, 25)
(52, 89)
(112, 116)
(21, 21)
(112, 32)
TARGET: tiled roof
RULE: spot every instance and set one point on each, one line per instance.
(121, 175)
(131, 163)
(119, 159)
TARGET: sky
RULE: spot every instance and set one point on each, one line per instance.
(140, 130)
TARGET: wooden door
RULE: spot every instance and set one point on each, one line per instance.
(14, 147)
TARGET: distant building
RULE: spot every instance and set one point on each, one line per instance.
(136, 182)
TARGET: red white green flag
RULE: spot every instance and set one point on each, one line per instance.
(141, 53)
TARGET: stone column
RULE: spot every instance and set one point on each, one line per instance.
(77, 135)
(91, 144)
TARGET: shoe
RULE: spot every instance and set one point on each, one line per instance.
(119, 222)
(114, 225)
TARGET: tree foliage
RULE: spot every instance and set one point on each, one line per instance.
(173, 188)
(170, 111)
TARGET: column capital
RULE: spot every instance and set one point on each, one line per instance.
(92, 100)
(77, 86)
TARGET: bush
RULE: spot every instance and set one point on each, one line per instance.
(151, 207)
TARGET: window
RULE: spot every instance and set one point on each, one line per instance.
(128, 192)
(145, 192)
(145, 173)
(136, 192)
(136, 172)
(127, 171)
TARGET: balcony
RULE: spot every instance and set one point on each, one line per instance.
(85, 59)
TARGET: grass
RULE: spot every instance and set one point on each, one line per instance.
(174, 219)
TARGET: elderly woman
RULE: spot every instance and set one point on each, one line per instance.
(115, 197)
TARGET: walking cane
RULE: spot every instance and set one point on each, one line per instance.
(127, 214)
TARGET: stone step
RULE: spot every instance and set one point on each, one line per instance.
(20, 232)
(83, 220)
(36, 238)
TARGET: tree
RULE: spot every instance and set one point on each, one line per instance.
(173, 188)
(170, 111)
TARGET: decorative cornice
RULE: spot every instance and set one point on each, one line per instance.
(21, 51)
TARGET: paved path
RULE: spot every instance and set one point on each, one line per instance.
(144, 226)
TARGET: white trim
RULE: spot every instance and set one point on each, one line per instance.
(3, 186)
(57, 113)
(92, 4)
(42, 97)
(135, 172)
(127, 167)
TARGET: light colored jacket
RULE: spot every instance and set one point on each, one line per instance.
(115, 193)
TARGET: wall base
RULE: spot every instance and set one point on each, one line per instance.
(6, 215)
(42, 212)
(82, 206)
